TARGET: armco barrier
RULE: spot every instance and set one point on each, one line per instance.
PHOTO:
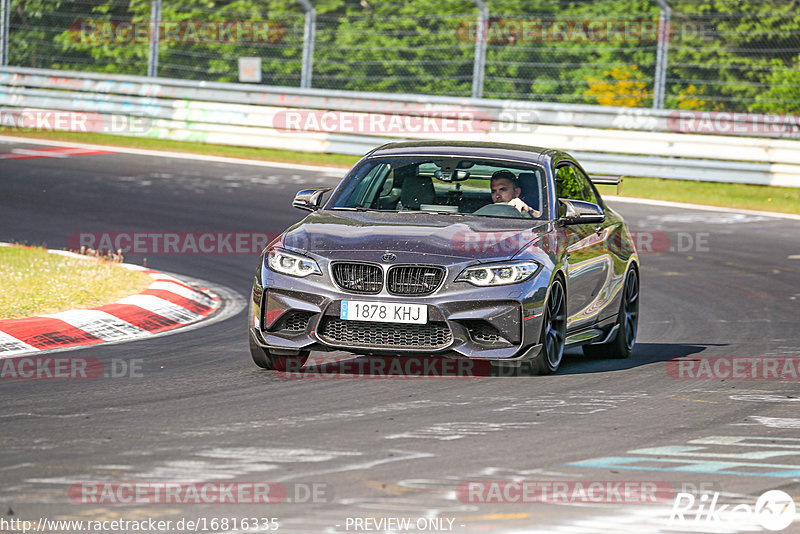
(627, 141)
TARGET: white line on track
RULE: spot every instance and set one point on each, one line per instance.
(341, 171)
(178, 155)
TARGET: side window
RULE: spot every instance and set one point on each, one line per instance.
(567, 183)
(567, 186)
(370, 186)
(588, 190)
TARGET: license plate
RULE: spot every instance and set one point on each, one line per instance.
(383, 312)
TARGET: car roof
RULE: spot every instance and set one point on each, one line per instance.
(480, 149)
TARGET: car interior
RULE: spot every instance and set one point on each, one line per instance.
(436, 186)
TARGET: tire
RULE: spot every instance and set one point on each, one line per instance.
(554, 327)
(627, 319)
(265, 360)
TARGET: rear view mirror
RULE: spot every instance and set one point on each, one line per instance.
(456, 175)
(309, 199)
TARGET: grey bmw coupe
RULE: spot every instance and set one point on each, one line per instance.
(495, 252)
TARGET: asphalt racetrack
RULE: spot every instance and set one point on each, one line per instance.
(492, 454)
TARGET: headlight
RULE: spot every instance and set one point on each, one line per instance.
(498, 274)
(292, 264)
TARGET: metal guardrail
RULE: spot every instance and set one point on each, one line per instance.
(593, 116)
(631, 142)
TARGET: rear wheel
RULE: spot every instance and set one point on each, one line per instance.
(266, 360)
(628, 321)
(554, 326)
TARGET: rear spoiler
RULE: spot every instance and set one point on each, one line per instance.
(607, 179)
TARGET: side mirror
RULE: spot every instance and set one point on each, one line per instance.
(581, 212)
(309, 199)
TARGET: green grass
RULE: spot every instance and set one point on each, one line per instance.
(37, 282)
(744, 196)
(754, 197)
(265, 154)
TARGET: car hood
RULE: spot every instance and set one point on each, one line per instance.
(337, 235)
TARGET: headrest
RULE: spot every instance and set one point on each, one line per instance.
(529, 183)
(417, 190)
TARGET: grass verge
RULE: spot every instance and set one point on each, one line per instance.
(37, 282)
(743, 196)
(146, 143)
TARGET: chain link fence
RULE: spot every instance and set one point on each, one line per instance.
(715, 55)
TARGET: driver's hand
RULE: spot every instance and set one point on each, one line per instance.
(522, 207)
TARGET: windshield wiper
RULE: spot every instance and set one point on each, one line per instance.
(361, 209)
(443, 212)
(357, 208)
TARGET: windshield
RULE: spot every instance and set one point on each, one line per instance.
(454, 185)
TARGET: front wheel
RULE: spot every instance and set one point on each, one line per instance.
(266, 360)
(554, 327)
(628, 321)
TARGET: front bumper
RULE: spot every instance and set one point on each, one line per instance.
(289, 315)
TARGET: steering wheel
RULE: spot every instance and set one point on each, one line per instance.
(502, 210)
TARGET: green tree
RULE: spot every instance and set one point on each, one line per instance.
(783, 94)
(414, 47)
(731, 51)
(34, 28)
(724, 54)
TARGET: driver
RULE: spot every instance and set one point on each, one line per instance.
(506, 189)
